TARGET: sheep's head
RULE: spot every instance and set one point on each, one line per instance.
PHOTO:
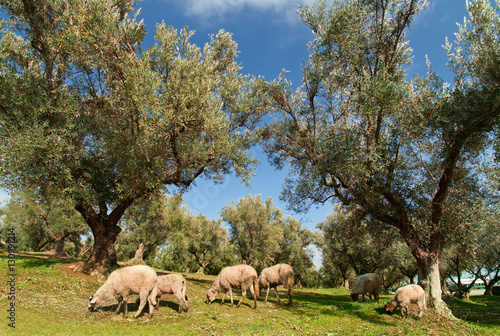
(389, 307)
(211, 294)
(92, 303)
(354, 297)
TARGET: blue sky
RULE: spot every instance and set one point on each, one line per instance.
(271, 38)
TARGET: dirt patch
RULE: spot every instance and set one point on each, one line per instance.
(73, 270)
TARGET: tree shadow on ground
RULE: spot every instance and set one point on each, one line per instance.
(483, 309)
(32, 262)
(205, 283)
(132, 308)
(334, 304)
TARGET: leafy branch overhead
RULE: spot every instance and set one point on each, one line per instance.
(85, 109)
(396, 151)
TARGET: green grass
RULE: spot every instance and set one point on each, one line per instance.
(52, 300)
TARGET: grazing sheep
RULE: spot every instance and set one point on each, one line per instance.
(139, 279)
(240, 276)
(406, 295)
(272, 277)
(368, 283)
(172, 284)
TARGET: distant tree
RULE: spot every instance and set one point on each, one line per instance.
(355, 241)
(44, 222)
(208, 240)
(254, 228)
(176, 257)
(335, 270)
(486, 263)
(150, 221)
(359, 133)
(295, 239)
(473, 247)
(85, 110)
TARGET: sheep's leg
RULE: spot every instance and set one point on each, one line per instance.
(231, 294)
(158, 301)
(155, 295)
(276, 291)
(267, 294)
(117, 311)
(421, 308)
(403, 310)
(151, 305)
(223, 297)
(125, 306)
(243, 294)
(144, 298)
(254, 295)
(290, 294)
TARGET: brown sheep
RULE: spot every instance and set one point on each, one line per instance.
(172, 284)
(272, 277)
(404, 296)
(240, 276)
(139, 279)
(368, 283)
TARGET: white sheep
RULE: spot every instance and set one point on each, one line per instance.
(240, 276)
(272, 277)
(139, 279)
(172, 284)
(406, 295)
(368, 283)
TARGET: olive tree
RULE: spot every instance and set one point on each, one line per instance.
(149, 221)
(360, 133)
(85, 109)
(44, 222)
(254, 228)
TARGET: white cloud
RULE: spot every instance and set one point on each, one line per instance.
(221, 8)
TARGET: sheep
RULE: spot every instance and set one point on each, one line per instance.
(272, 277)
(172, 284)
(240, 276)
(139, 279)
(368, 283)
(404, 296)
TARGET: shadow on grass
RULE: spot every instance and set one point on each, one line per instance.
(247, 302)
(310, 304)
(482, 309)
(206, 283)
(32, 262)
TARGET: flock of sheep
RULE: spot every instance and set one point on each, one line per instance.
(144, 281)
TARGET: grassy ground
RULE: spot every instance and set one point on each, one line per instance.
(52, 300)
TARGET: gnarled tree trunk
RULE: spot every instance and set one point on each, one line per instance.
(105, 230)
(59, 249)
(137, 259)
(430, 280)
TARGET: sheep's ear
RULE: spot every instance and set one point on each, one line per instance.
(92, 300)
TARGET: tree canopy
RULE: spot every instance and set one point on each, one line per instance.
(360, 133)
(86, 110)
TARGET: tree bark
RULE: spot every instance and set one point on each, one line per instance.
(137, 259)
(103, 258)
(59, 249)
(105, 230)
(345, 284)
(430, 280)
